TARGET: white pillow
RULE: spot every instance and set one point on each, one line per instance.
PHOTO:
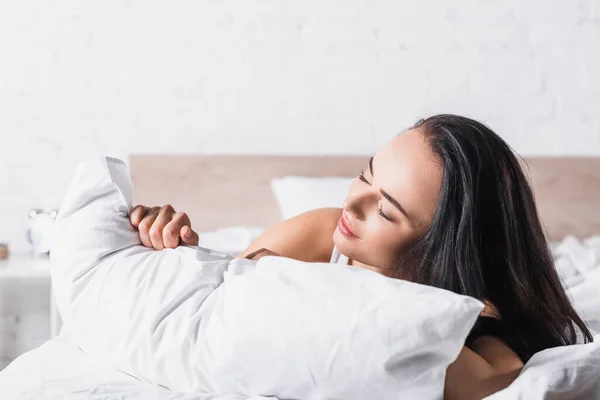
(329, 331)
(195, 320)
(298, 194)
(566, 372)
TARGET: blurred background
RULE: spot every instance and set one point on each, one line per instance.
(82, 78)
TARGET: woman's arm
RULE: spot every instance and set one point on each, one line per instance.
(306, 237)
(490, 367)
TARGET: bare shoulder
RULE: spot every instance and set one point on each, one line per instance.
(306, 237)
(321, 217)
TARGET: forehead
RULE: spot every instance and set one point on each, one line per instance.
(408, 170)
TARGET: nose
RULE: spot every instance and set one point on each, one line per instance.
(359, 203)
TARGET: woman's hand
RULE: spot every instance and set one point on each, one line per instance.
(163, 227)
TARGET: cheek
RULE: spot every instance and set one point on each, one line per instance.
(386, 245)
(386, 242)
(380, 245)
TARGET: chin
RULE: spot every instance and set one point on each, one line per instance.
(338, 240)
(343, 244)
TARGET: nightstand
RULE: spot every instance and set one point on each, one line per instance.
(26, 264)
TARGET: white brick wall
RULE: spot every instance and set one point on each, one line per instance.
(81, 78)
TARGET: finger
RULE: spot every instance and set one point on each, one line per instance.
(172, 231)
(137, 214)
(156, 230)
(188, 236)
(146, 224)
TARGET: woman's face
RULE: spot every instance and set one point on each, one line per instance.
(391, 204)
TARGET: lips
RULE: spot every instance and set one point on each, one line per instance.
(345, 228)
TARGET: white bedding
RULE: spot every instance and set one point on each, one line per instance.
(578, 263)
(231, 241)
(59, 369)
(194, 320)
(560, 373)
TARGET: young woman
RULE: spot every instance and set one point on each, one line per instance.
(445, 204)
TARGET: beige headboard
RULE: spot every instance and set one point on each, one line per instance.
(234, 190)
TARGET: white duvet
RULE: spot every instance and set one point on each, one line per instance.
(192, 323)
(59, 370)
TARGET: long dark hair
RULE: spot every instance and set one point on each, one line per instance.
(486, 239)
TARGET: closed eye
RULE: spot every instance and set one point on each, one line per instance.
(380, 211)
(361, 176)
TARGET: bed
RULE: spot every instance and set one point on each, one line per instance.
(225, 192)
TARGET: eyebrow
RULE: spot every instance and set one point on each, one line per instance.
(385, 194)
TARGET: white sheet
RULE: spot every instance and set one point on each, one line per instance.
(231, 241)
(586, 300)
(576, 259)
(578, 263)
(560, 373)
(59, 370)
